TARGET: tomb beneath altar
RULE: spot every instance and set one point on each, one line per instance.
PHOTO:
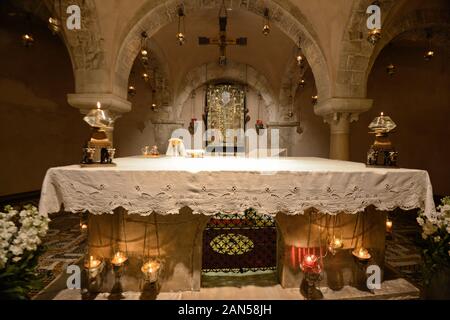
(189, 245)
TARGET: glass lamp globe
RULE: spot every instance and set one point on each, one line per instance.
(99, 118)
(382, 124)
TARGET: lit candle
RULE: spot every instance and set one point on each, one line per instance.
(388, 225)
(362, 253)
(94, 266)
(99, 105)
(310, 261)
(150, 270)
(119, 258)
(337, 243)
(92, 263)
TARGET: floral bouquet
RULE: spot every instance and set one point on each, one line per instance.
(21, 234)
(436, 240)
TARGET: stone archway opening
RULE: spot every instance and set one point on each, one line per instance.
(240, 249)
(292, 23)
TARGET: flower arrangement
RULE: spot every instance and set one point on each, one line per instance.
(21, 234)
(436, 239)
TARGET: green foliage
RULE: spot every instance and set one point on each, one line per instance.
(17, 279)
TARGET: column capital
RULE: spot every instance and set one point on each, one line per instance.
(333, 107)
(88, 101)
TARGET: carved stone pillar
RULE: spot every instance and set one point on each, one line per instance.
(339, 113)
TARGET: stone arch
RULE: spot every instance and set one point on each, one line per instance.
(283, 14)
(355, 52)
(233, 71)
(420, 19)
(85, 46)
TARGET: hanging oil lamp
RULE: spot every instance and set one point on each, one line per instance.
(119, 259)
(181, 38)
(27, 40)
(389, 225)
(362, 254)
(266, 26)
(302, 83)
(430, 53)
(132, 91)
(335, 244)
(94, 266)
(94, 270)
(54, 25)
(151, 270)
(391, 69)
(374, 36)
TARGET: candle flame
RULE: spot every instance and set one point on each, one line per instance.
(382, 113)
(99, 105)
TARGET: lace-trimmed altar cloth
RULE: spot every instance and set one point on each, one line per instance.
(232, 184)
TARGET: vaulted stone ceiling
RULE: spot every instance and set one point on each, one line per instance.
(277, 47)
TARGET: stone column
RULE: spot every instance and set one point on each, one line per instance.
(88, 101)
(339, 113)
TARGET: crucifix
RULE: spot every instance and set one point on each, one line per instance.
(222, 41)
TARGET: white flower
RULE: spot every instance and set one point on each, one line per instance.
(429, 228)
(420, 221)
(437, 239)
(16, 250)
(16, 259)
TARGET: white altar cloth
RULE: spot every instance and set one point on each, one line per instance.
(233, 184)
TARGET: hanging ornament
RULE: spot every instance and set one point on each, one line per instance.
(266, 25)
(302, 83)
(360, 252)
(312, 267)
(299, 58)
(54, 25)
(181, 28)
(151, 266)
(144, 50)
(314, 99)
(145, 76)
(118, 260)
(374, 36)
(430, 53)
(54, 22)
(391, 69)
(131, 91)
(27, 40)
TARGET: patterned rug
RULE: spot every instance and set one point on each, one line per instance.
(65, 245)
(403, 256)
